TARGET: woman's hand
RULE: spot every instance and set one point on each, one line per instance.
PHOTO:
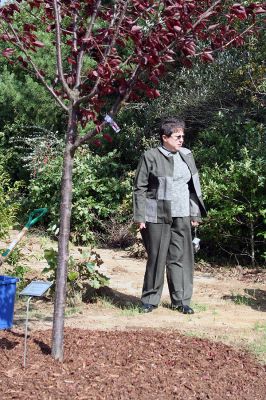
(142, 225)
(194, 223)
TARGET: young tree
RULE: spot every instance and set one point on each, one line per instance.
(109, 52)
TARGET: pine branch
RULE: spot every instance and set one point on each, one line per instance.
(39, 76)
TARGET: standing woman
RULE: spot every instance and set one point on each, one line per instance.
(167, 202)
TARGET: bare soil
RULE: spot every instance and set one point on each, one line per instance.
(114, 352)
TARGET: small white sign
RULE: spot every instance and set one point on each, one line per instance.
(36, 288)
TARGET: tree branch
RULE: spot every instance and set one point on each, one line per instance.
(67, 89)
(205, 14)
(228, 43)
(113, 111)
(75, 34)
(111, 44)
(107, 51)
(86, 37)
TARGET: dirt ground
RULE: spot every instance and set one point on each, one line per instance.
(229, 306)
(113, 352)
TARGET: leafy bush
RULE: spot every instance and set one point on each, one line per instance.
(226, 138)
(235, 197)
(98, 189)
(9, 203)
(82, 274)
(17, 269)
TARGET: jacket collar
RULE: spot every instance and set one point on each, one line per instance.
(165, 152)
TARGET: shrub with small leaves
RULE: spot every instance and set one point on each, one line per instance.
(17, 269)
(83, 274)
(8, 202)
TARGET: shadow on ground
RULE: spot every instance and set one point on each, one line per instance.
(118, 299)
(254, 298)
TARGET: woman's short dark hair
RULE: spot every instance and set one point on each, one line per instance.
(169, 125)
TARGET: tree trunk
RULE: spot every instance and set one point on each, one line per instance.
(63, 241)
(252, 244)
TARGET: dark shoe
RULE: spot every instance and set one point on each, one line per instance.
(183, 309)
(146, 308)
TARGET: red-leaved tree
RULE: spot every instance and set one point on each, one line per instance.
(109, 52)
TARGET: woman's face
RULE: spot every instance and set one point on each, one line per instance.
(175, 141)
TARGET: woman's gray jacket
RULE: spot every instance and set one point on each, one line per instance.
(153, 187)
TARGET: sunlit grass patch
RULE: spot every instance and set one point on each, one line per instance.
(198, 307)
(130, 310)
(242, 300)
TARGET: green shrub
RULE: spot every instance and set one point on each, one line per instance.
(9, 203)
(17, 269)
(235, 198)
(83, 273)
(99, 185)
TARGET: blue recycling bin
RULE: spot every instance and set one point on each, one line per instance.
(7, 300)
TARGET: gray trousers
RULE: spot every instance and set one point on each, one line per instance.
(168, 245)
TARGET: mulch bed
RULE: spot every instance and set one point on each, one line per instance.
(143, 364)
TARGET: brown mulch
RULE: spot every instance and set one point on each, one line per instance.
(144, 364)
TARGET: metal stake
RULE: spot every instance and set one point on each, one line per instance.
(26, 332)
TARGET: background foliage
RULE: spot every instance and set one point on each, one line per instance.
(99, 187)
(224, 107)
(9, 202)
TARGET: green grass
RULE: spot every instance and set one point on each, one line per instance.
(242, 300)
(105, 301)
(197, 307)
(259, 348)
(130, 310)
(193, 334)
(260, 327)
(72, 311)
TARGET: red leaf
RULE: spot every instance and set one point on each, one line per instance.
(100, 70)
(37, 43)
(239, 11)
(23, 62)
(177, 28)
(5, 37)
(70, 80)
(108, 137)
(99, 128)
(154, 79)
(29, 27)
(135, 29)
(152, 93)
(167, 58)
(212, 27)
(7, 52)
(207, 57)
(260, 10)
(71, 61)
(186, 62)
(97, 143)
